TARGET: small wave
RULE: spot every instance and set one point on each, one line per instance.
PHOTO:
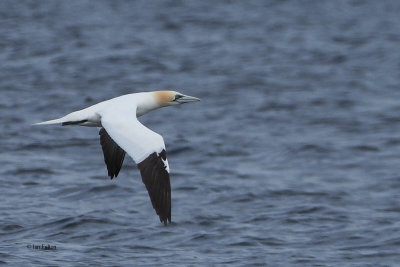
(308, 210)
(274, 106)
(11, 227)
(201, 236)
(314, 148)
(365, 148)
(186, 188)
(290, 192)
(31, 171)
(243, 244)
(141, 248)
(268, 241)
(392, 142)
(85, 221)
(104, 188)
(30, 183)
(179, 150)
(249, 197)
(58, 222)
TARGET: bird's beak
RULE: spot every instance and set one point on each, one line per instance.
(187, 99)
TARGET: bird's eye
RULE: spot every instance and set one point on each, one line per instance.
(178, 96)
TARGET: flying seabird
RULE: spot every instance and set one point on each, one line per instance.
(121, 132)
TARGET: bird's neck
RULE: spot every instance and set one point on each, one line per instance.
(146, 103)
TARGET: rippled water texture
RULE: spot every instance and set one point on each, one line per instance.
(292, 157)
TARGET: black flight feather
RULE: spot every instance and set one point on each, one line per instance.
(113, 154)
(156, 178)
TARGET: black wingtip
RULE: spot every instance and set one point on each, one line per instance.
(156, 178)
(165, 221)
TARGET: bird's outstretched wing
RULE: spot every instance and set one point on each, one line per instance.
(156, 178)
(113, 154)
(147, 149)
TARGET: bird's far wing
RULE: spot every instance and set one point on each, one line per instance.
(147, 149)
(113, 154)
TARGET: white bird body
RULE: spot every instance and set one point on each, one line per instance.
(121, 132)
(138, 103)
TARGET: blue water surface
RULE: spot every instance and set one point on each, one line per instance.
(291, 158)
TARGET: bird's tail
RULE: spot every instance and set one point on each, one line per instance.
(74, 118)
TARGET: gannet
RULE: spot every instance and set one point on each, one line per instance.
(121, 132)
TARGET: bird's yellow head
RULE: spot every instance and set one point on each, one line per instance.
(170, 98)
